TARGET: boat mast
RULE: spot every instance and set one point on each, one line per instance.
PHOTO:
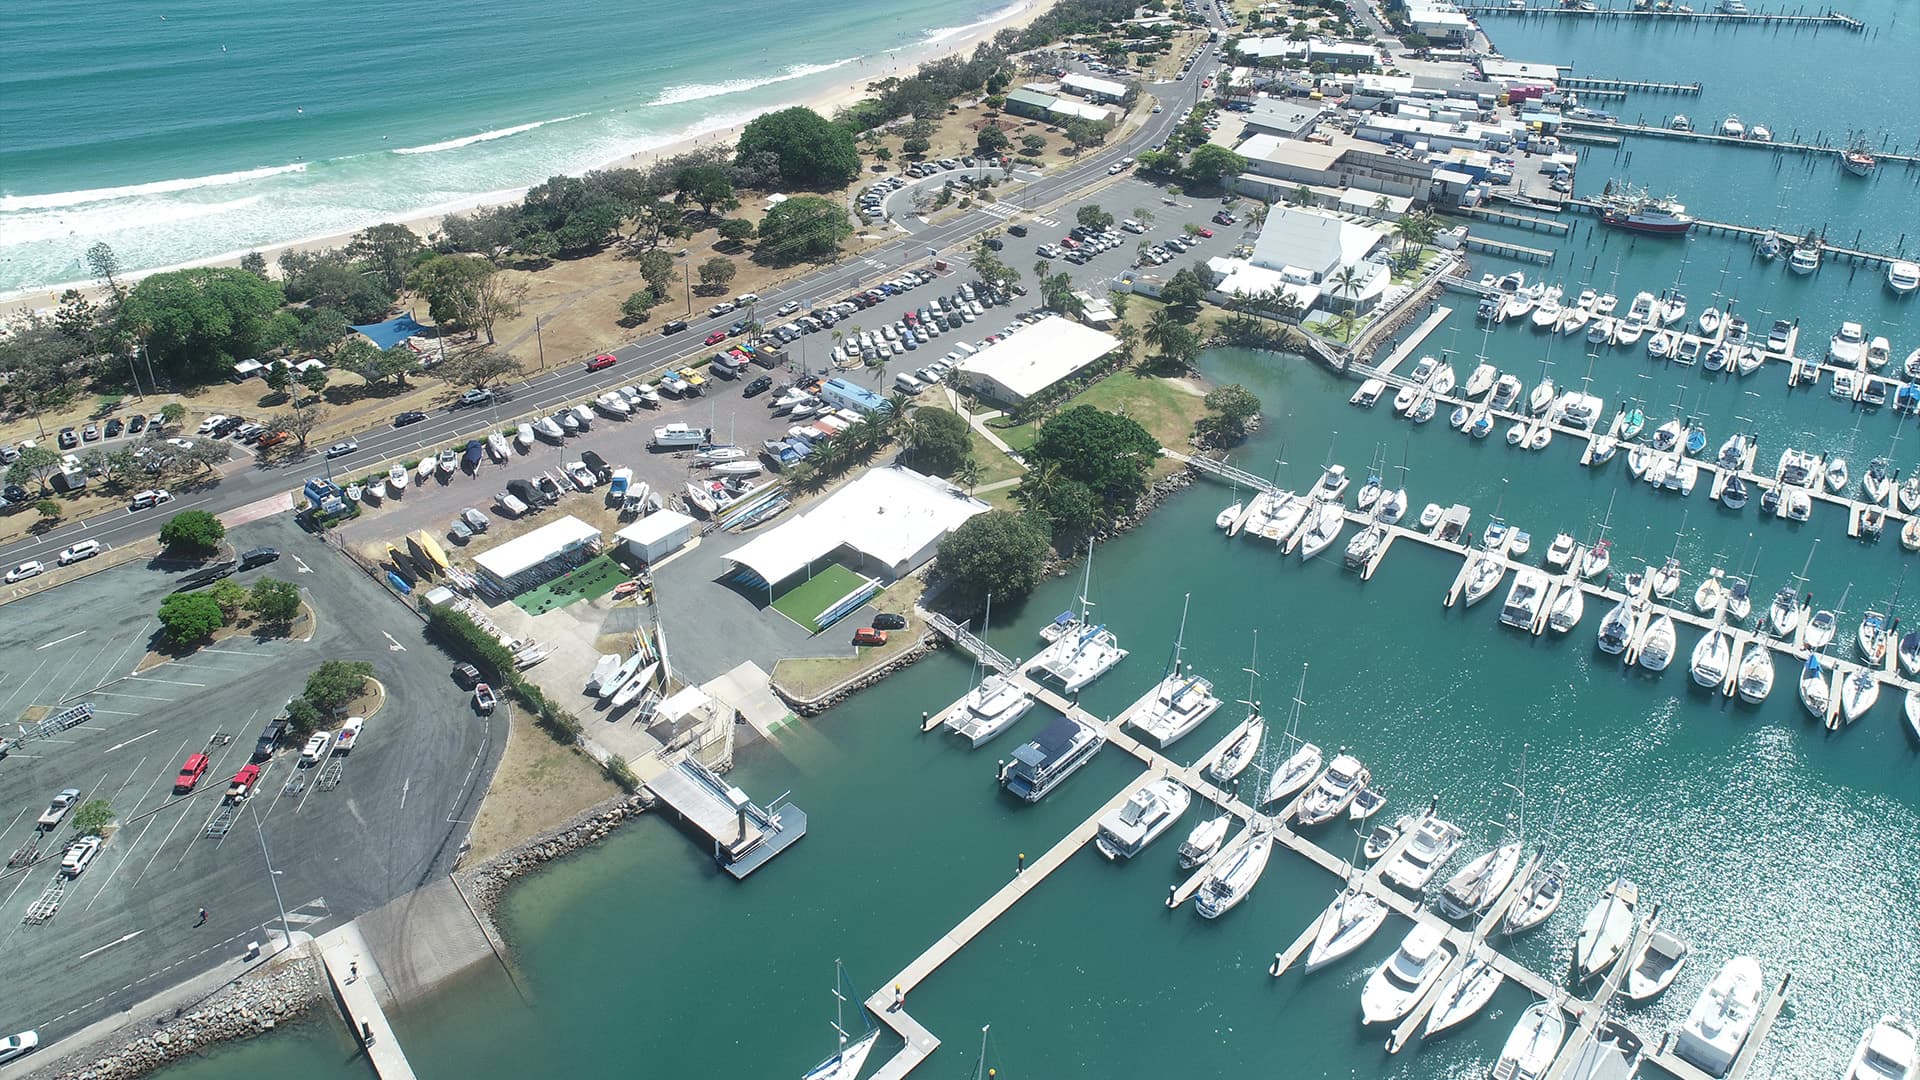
(839, 1003)
(1179, 639)
(1086, 584)
(980, 1070)
(1253, 674)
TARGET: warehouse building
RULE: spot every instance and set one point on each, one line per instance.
(1033, 359)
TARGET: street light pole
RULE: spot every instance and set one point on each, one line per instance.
(539, 343)
(273, 876)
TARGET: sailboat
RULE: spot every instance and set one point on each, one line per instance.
(1235, 758)
(1081, 651)
(1348, 923)
(1656, 649)
(1712, 657)
(1756, 674)
(1857, 694)
(1815, 691)
(1465, 993)
(1534, 1043)
(1180, 702)
(844, 1063)
(1607, 930)
(1239, 871)
(1294, 773)
(1537, 900)
(1201, 844)
(993, 704)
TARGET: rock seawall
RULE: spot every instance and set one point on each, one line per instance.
(816, 706)
(257, 1003)
(485, 883)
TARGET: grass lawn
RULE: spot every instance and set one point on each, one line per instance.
(812, 676)
(596, 577)
(1167, 408)
(994, 465)
(1019, 436)
(808, 599)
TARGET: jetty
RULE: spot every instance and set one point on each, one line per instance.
(1829, 19)
(355, 976)
(1623, 87)
(744, 835)
(1779, 146)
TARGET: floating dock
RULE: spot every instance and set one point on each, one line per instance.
(744, 836)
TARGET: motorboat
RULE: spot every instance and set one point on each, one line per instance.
(1475, 887)
(1816, 688)
(1537, 900)
(547, 428)
(1836, 474)
(1718, 1025)
(1877, 481)
(1561, 551)
(1879, 351)
(1848, 345)
(1606, 930)
(1872, 638)
(1204, 841)
(1225, 519)
(1520, 542)
(1712, 658)
(1343, 779)
(1533, 1044)
(1486, 573)
(1652, 969)
(1383, 836)
(523, 437)
(1348, 923)
(1784, 613)
(1903, 276)
(1819, 630)
(1886, 1052)
(1464, 993)
(1149, 811)
(1596, 560)
(1506, 391)
(1656, 648)
(397, 479)
(1568, 607)
(1055, 754)
(1757, 132)
(1239, 871)
(1546, 315)
(497, 447)
(1522, 606)
(1732, 128)
(1614, 627)
(990, 708)
(1434, 842)
(1755, 678)
(1909, 653)
(1234, 760)
(1805, 258)
(1858, 693)
(1405, 977)
(1366, 803)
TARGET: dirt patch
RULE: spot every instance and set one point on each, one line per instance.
(538, 785)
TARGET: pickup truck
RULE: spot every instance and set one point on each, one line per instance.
(243, 781)
(57, 810)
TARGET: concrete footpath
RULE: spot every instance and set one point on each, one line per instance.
(359, 987)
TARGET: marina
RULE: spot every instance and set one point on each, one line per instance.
(1827, 18)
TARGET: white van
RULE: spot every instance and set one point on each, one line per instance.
(966, 349)
(906, 383)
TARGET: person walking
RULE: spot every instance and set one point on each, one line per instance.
(203, 918)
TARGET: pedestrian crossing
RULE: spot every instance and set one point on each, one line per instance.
(1007, 213)
(301, 917)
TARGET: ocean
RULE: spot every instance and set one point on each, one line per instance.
(215, 128)
(1757, 831)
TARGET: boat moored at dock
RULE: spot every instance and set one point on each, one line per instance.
(1055, 754)
(1150, 811)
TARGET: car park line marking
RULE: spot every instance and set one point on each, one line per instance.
(109, 945)
(57, 641)
(23, 684)
(137, 697)
(170, 682)
(130, 742)
(114, 712)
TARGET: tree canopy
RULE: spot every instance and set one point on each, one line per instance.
(190, 617)
(998, 552)
(197, 322)
(1209, 164)
(812, 151)
(803, 227)
(938, 440)
(1107, 454)
(336, 682)
(1229, 408)
(192, 532)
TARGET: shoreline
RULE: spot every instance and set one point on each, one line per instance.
(899, 61)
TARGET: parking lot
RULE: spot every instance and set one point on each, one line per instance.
(391, 818)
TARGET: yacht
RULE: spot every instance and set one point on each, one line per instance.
(1560, 553)
(1179, 704)
(1486, 573)
(1204, 841)
(1613, 1054)
(1480, 882)
(1537, 900)
(1568, 607)
(1816, 691)
(1732, 128)
(1348, 923)
(1239, 872)
(1364, 546)
(1606, 931)
(1078, 657)
(1481, 380)
(1652, 970)
(1506, 391)
(1464, 993)
(1328, 518)
(989, 709)
(1739, 600)
(1398, 984)
(1886, 1052)
(1712, 659)
(1534, 1043)
(1784, 613)
(1805, 258)
(1756, 674)
(1334, 792)
(1596, 560)
(1903, 277)
(1858, 693)
(1523, 601)
(675, 437)
(1039, 766)
(846, 1062)
(1656, 648)
(1433, 843)
(1234, 759)
(1713, 1032)
(1149, 811)
(1846, 347)
(1614, 628)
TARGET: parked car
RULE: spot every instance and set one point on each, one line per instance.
(57, 809)
(114, 427)
(757, 387)
(80, 855)
(149, 498)
(90, 432)
(30, 568)
(888, 620)
(85, 549)
(190, 773)
(68, 440)
(867, 635)
(259, 556)
(316, 747)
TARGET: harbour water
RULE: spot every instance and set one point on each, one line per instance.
(224, 126)
(1756, 830)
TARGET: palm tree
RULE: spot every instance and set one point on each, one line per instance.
(1160, 329)
(968, 474)
(1303, 195)
(1257, 213)
(1142, 215)
(1379, 206)
(1129, 336)
(1347, 284)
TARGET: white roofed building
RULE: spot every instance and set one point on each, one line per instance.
(528, 561)
(1032, 359)
(1093, 89)
(1315, 245)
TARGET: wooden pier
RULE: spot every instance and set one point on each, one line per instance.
(1504, 217)
(1624, 86)
(1777, 145)
(1506, 250)
(1826, 19)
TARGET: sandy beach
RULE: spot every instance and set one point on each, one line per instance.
(826, 101)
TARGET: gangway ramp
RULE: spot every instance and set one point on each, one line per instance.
(744, 836)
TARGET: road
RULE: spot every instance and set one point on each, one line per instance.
(552, 389)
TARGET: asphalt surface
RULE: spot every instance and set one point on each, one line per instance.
(125, 927)
(637, 359)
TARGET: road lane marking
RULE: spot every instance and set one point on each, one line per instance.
(170, 682)
(129, 742)
(57, 641)
(109, 945)
(396, 646)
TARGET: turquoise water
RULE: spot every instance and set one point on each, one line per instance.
(1757, 831)
(217, 127)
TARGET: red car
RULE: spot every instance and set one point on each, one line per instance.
(604, 360)
(190, 773)
(1208, 233)
(867, 635)
(716, 337)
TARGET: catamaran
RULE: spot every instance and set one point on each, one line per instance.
(1149, 811)
(1180, 702)
(1081, 651)
(844, 1063)
(1723, 1017)
(989, 708)
(1239, 871)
